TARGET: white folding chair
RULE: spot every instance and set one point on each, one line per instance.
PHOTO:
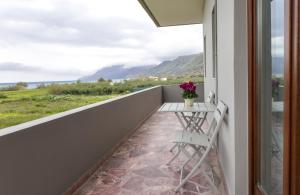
(201, 143)
(192, 122)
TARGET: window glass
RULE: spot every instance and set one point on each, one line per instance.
(270, 62)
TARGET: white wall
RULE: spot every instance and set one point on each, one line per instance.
(209, 81)
(232, 87)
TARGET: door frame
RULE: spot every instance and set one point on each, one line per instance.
(291, 172)
(292, 141)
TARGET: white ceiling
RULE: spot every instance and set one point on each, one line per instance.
(174, 12)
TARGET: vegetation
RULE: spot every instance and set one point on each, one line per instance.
(21, 105)
(3, 96)
(25, 105)
(104, 87)
(22, 85)
(18, 86)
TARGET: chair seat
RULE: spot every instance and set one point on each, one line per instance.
(189, 114)
(191, 138)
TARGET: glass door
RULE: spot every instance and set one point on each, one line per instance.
(270, 93)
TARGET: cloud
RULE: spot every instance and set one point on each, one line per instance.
(12, 66)
(19, 67)
(70, 24)
(78, 37)
(277, 46)
(277, 18)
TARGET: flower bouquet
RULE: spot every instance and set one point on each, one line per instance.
(189, 93)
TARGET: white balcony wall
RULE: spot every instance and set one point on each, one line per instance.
(209, 81)
(232, 87)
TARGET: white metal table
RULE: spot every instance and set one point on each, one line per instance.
(180, 107)
(189, 117)
(277, 106)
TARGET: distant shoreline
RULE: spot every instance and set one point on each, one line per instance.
(33, 85)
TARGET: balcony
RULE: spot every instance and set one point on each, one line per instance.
(119, 146)
(138, 166)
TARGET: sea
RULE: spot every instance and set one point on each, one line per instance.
(33, 85)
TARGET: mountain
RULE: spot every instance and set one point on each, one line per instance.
(182, 65)
(117, 72)
(278, 65)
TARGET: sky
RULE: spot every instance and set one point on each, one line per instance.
(277, 28)
(55, 40)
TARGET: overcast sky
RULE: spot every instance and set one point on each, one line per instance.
(66, 39)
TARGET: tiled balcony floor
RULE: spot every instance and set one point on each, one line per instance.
(138, 167)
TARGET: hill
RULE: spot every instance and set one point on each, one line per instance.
(182, 65)
(117, 72)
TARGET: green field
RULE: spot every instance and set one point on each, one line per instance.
(22, 105)
(26, 105)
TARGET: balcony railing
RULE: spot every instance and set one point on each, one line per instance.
(48, 155)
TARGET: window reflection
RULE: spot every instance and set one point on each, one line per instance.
(277, 52)
(270, 60)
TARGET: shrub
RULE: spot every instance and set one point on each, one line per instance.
(51, 98)
(56, 89)
(41, 86)
(100, 80)
(16, 87)
(11, 88)
(22, 84)
(40, 105)
(25, 99)
(3, 96)
(102, 88)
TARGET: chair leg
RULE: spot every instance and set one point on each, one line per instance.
(197, 150)
(186, 153)
(175, 146)
(176, 155)
(181, 148)
(212, 183)
(188, 160)
(193, 171)
(182, 182)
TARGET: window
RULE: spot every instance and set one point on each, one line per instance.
(270, 71)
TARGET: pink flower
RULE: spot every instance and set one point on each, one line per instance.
(188, 86)
(189, 90)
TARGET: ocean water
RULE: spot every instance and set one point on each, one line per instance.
(33, 85)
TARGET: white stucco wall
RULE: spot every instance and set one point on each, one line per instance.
(209, 81)
(232, 87)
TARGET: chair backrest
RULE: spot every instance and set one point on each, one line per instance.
(214, 128)
(211, 97)
(216, 123)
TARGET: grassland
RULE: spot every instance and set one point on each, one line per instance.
(24, 105)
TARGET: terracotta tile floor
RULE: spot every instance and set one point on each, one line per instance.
(138, 167)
